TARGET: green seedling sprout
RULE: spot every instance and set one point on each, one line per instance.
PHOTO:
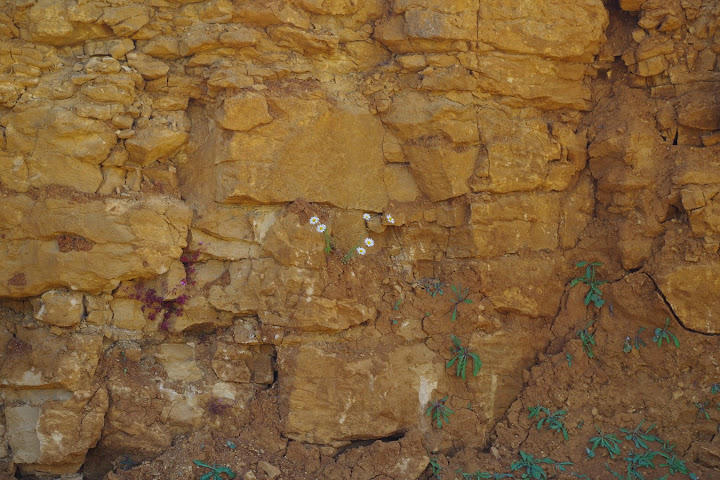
(638, 341)
(439, 412)
(568, 357)
(663, 334)
(588, 340)
(702, 412)
(552, 421)
(435, 288)
(533, 467)
(715, 388)
(609, 442)
(436, 468)
(594, 293)
(216, 472)
(460, 297)
(674, 464)
(633, 463)
(639, 438)
(461, 356)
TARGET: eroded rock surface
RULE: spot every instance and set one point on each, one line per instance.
(160, 277)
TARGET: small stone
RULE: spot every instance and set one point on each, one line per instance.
(272, 471)
(60, 308)
(711, 139)
(150, 68)
(244, 112)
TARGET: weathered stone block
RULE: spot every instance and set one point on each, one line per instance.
(178, 360)
(306, 152)
(441, 169)
(154, 141)
(44, 360)
(335, 397)
(541, 82)
(127, 314)
(89, 246)
(244, 112)
(150, 68)
(693, 291)
(546, 28)
(432, 25)
(60, 308)
(53, 437)
(506, 224)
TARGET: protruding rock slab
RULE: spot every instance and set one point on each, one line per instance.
(39, 359)
(577, 31)
(311, 149)
(693, 291)
(84, 244)
(54, 436)
(335, 396)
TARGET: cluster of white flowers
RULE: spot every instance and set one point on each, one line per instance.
(321, 227)
(388, 217)
(369, 242)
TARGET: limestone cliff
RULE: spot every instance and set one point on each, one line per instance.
(167, 292)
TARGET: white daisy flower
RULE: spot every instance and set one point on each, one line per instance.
(366, 216)
(360, 251)
(314, 220)
(321, 228)
(369, 242)
(389, 218)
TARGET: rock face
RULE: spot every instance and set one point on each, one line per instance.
(277, 216)
(89, 245)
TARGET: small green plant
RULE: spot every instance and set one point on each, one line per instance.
(702, 410)
(568, 357)
(460, 297)
(674, 464)
(216, 472)
(436, 468)
(638, 341)
(552, 421)
(594, 294)
(587, 339)
(715, 388)
(461, 356)
(638, 437)
(609, 442)
(635, 461)
(433, 286)
(663, 334)
(439, 412)
(533, 466)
